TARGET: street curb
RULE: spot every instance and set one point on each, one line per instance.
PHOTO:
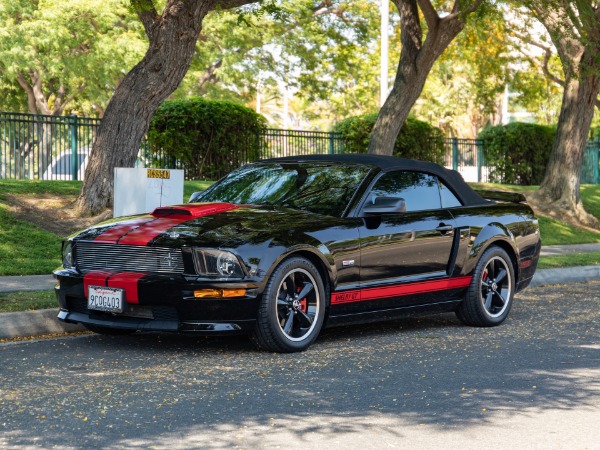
(563, 275)
(33, 323)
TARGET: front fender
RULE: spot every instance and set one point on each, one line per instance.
(315, 251)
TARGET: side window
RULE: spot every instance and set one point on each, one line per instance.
(419, 190)
(449, 200)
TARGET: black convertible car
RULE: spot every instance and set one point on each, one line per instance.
(282, 247)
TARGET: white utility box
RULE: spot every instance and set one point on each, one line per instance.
(141, 190)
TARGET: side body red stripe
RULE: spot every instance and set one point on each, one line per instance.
(400, 290)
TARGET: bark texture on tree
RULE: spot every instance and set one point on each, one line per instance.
(416, 60)
(580, 58)
(172, 35)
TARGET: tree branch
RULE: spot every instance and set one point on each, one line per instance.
(547, 55)
(30, 95)
(40, 100)
(546, 69)
(209, 73)
(431, 16)
(71, 97)
(228, 4)
(146, 11)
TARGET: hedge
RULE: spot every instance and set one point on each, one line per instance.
(416, 140)
(517, 153)
(209, 138)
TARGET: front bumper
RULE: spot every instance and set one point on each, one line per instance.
(163, 303)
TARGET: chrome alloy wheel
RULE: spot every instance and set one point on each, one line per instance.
(496, 286)
(298, 304)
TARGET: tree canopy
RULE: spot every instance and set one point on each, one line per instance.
(55, 55)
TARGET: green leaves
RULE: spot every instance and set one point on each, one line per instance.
(416, 140)
(79, 48)
(210, 138)
(517, 153)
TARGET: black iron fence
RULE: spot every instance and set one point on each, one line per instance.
(44, 147)
(39, 147)
(277, 143)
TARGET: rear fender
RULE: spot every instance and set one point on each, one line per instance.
(492, 234)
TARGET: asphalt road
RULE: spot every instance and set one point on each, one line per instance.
(533, 382)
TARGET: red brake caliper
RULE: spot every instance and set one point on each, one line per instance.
(303, 303)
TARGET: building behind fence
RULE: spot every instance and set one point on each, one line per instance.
(39, 147)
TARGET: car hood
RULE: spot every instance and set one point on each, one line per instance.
(223, 225)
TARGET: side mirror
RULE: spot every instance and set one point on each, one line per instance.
(194, 196)
(385, 205)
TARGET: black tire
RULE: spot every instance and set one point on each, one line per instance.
(108, 331)
(292, 308)
(489, 297)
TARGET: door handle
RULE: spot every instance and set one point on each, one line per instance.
(443, 228)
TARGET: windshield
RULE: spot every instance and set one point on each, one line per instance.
(316, 187)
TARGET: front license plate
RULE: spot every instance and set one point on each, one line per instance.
(107, 299)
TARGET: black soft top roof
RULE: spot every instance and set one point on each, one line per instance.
(388, 163)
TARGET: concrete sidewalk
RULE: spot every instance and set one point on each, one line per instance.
(26, 283)
(35, 323)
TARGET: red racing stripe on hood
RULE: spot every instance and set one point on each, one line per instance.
(141, 231)
(115, 233)
(167, 218)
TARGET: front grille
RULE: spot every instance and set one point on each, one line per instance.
(127, 258)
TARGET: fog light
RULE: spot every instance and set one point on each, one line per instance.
(219, 293)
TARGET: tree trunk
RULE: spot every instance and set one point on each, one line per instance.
(416, 60)
(560, 186)
(173, 37)
(395, 110)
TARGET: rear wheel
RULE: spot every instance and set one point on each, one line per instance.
(489, 297)
(292, 307)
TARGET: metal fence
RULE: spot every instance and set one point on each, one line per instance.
(44, 147)
(467, 156)
(39, 147)
(277, 143)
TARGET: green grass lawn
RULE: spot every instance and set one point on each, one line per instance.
(25, 249)
(27, 301)
(571, 260)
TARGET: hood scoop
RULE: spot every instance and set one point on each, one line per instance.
(193, 211)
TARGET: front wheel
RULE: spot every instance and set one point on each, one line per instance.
(292, 308)
(489, 297)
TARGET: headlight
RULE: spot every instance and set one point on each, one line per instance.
(67, 255)
(217, 263)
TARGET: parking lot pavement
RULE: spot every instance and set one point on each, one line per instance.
(533, 382)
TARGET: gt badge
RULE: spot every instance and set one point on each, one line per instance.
(348, 263)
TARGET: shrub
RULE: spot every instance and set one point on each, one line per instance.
(416, 140)
(517, 153)
(209, 138)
